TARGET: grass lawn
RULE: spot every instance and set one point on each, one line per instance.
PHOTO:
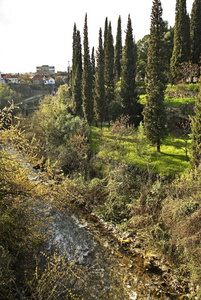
(172, 101)
(178, 95)
(137, 151)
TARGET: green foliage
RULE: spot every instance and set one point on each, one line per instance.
(128, 87)
(7, 95)
(87, 80)
(118, 51)
(154, 112)
(120, 190)
(57, 123)
(115, 110)
(99, 90)
(181, 50)
(59, 131)
(142, 54)
(109, 66)
(195, 32)
(76, 76)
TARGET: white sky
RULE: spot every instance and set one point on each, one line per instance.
(39, 32)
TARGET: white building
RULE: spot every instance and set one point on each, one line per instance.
(50, 81)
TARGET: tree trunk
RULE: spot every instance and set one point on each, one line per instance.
(158, 147)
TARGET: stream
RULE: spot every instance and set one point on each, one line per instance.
(115, 273)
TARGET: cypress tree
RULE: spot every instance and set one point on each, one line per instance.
(196, 132)
(118, 51)
(99, 91)
(93, 69)
(128, 88)
(109, 67)
(76, 77)
(93, 62)
(87, 80)
(74, 59)
(181, 49)
(195, 32)
(154, 112)
(105, 31)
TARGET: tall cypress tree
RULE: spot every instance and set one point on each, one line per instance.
(118, 51)
(196, 132)
(74, 59)
(93, 68)
(195, 32)
(76, 76)
(109, 67)
(181, 49)
(128, 87)
(105, 32)
(87, 80)
(154, 112)
(99, 91)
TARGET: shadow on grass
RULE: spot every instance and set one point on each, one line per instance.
(176, 156)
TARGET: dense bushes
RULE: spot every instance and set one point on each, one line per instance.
(24, 272)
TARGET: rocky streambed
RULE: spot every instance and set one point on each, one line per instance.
(119, 268)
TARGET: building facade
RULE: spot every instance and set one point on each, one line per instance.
(45, 70)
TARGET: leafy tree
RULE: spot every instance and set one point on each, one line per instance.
(142, 54)
(118, 51)
(181, 50)
(154, 112)
(109, 67)
(168, 48)
(195, 32)
(7, 95)
(57, 127)
(76, 77)
(87, 79)
(99, 97)
(196, 132)
(57, 123)
(128, 87)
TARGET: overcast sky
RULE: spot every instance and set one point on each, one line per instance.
(39, 32)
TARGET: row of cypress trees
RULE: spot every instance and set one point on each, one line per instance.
(93, 88)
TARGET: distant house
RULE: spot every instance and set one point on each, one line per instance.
(50, 81)
(38, 79)
(10, 78)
